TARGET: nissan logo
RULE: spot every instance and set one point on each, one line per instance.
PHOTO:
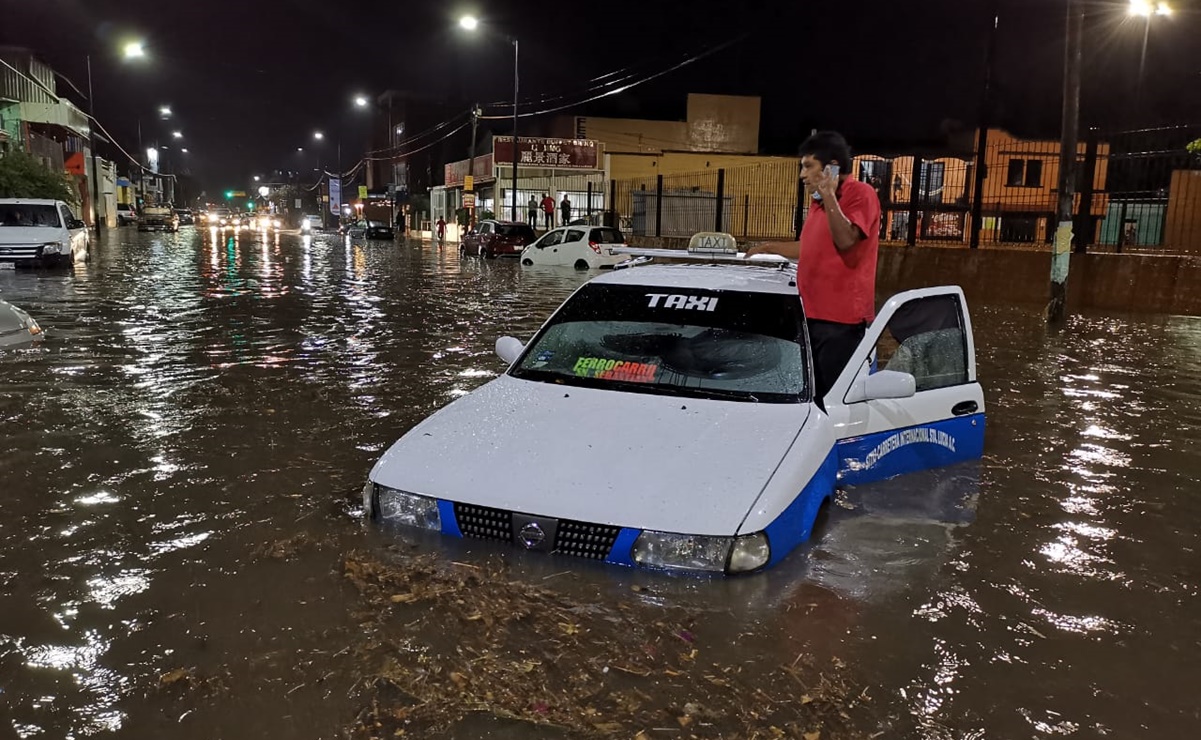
(531, 535)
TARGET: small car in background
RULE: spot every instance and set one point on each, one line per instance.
(17, 328)
(310, 222)
(491, 238)
(126, 214)
(40, 233)
(185, 217)
(158, 218)
(581, 247)
(366, 229)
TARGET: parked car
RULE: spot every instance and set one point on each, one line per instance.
(581, 247)
(126, 214)
(365, 229)
(664, 417)
(310, 222)
(158, 218)
(491, 238)
(37, 233)
(185, 217)
(17, 328)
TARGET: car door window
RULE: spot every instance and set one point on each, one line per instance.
(67, 217)
(552, 239)
(574, 235)
(485, 229)
(606, 236)
(926, 338)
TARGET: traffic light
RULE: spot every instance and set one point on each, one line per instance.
(229, 195)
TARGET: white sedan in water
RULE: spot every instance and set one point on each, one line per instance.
(664, 417)
(582, 247)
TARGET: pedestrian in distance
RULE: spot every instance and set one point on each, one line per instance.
(548, 210)
(836, 256)
(565, 207)
(531, 213)
(441, 227)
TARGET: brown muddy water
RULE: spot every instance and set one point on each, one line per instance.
(180, 464)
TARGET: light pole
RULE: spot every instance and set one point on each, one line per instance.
(471, 23)
(131, 50)
(1146, 10)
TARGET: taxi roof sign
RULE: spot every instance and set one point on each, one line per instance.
(712, 242)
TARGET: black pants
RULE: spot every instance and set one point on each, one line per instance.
(833, 347)
(532, 217)
(550, 217)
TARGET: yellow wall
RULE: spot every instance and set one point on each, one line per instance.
(716, 123)
(723, 123)
(633, 166)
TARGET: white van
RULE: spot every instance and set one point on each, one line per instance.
(40, 233)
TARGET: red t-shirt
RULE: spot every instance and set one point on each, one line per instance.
(841, 286)
(548, 205)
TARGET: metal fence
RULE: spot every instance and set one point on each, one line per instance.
(1135, 191)
(758, 201)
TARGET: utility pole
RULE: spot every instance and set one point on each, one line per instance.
(469, 181)
(515, 140)
(982, 135)
(1062, 248)
(95, 165)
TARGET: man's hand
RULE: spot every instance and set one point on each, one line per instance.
(757, 248)
(827, 185)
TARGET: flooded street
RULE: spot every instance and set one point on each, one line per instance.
(182, 459)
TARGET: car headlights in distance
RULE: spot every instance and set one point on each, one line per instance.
(702, 553)
(52, 248)
(407, 509)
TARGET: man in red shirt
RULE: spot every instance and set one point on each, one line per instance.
(836, 256)
(548, 210)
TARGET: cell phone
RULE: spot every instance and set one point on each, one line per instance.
(831, 171)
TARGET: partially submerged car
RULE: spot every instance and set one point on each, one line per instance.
(158, 218)
(664, 417)
(17, 328)
(491, 238)
(40, 233)
(581, 247)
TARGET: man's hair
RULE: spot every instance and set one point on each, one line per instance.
(828, 147)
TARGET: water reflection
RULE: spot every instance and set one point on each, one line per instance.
(207, 394)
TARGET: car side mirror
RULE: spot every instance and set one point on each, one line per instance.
(509, 349)
(76, 224)
(881, 385)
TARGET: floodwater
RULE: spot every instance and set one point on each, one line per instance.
(199, 401)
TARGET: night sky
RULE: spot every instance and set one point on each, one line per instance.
(249, 81)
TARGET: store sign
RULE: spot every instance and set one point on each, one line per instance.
(456, 173)
(561, 154)
(469, 200)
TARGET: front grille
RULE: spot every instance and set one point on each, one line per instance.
(484, 523)
(583, 540)
(19, 251)
(578, 539)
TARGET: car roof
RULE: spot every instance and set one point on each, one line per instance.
(743, 278)
(30, 201)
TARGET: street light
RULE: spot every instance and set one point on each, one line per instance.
(133, 50)
(471, 23)
(177, 134)
(360, 101)
(1146, 10)
(184, 150)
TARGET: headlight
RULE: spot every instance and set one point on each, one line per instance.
(275, 223)
(305, 225)
(408, 509)
(52, 248)
(702, 553)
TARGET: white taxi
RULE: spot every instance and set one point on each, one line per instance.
(664, 417)
(582, 247)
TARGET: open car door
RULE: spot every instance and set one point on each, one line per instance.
(908, 399)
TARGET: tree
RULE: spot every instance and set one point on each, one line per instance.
(23, 176)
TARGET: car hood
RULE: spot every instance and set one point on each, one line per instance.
(29, 234)
(636, 460)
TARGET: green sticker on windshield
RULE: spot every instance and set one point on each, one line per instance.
(630, 372)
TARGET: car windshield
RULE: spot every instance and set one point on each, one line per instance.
(13, 214)
(674, 341)
(520, 230)
(376, 224)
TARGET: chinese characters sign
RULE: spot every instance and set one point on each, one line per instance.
(567, 154)
(456, 172)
